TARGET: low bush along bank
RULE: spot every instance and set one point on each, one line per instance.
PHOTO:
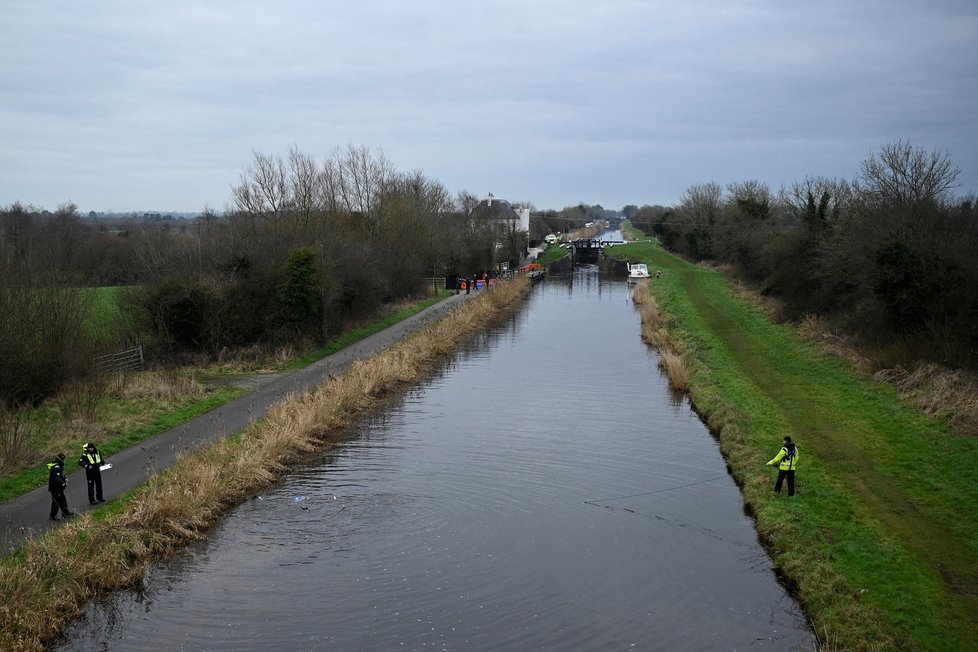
(880, 544)
(47, 582)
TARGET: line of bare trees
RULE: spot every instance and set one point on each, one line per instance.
(303, 249)
(891, 256)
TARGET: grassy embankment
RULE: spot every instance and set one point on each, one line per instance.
(881, 542)
(47, 583)
(632, 233)
(551, 255)
(122, 412)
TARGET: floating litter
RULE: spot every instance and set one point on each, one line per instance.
(299, 499)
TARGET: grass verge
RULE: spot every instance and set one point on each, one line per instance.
(47, 582)
(880, 544)
(357, 334)
(631, 232)
(29, 479)
(551, 255)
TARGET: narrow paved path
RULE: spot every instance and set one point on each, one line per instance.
(27, 515)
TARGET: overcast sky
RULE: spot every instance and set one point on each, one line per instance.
(136, 105)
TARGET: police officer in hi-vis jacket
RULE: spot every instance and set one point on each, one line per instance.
(91, 459)
(56, 485)
(787, 461)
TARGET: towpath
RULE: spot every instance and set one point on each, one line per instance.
(27, 515)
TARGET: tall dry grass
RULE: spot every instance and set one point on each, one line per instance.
(47, 583)
(656, 334)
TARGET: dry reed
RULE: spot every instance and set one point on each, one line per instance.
(47, 583)
(656, 334)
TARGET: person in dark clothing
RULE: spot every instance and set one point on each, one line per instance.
(56, 485)
(91, 460)
(787, 461)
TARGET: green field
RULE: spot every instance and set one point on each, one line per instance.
(881, 541)
(104, 320)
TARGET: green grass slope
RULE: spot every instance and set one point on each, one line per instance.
(881, 541)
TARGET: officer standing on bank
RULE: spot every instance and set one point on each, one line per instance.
(787, 461)
(56, 485)
(91, 459)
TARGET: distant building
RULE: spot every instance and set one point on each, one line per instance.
(493, 208)
(514, 225)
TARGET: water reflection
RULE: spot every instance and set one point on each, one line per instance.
(543, 491)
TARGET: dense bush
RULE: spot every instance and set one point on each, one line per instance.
(891, 256)
(43, 341)
(303, 250)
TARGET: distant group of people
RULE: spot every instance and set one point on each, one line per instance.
(467, 284)
(91, 460)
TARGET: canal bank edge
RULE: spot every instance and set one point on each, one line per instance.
(879, 545)
(47, 582)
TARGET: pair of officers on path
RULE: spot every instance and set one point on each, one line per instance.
(787, 461)
(92, 461)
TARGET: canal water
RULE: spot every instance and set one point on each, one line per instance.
(543, 491)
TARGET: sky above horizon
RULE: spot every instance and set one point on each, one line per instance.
(120, 105)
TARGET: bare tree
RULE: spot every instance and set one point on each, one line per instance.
(700, 209)
(306, 188)
(357, 179)
(904, 175)
(819, 202)
(263, 192)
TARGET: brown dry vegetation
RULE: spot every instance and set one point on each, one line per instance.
(47, 583)
(656, 335)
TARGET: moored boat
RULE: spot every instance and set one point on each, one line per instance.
(637, 272)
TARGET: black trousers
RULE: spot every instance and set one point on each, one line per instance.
(94, 484)
(58, 501)
(791, 481)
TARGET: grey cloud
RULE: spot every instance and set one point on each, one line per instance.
(117, 103)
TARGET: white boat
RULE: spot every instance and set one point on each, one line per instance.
(637, 272)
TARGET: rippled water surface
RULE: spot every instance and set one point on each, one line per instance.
(544, 491)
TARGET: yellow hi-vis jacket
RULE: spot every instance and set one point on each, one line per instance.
(786, 463)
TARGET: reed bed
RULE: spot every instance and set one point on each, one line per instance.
(47, 583)
(656, 334)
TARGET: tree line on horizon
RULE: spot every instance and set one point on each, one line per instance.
(889, 258)
(303, 250)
